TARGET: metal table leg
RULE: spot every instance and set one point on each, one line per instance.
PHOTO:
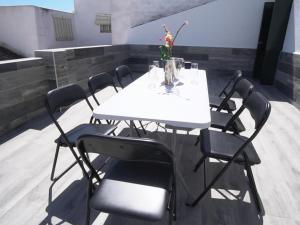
(177, 154)
(131, 128)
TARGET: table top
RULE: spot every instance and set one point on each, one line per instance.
(186, 104)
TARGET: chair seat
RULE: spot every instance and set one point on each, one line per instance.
(130, 199)
(167, 126)
(134, 189)
(215, 102)
(75, 133)
(223, 146)
(220, 119)
(158, 175)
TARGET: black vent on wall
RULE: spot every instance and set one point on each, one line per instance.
(279, 23)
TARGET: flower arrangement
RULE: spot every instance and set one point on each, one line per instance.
(166, 50)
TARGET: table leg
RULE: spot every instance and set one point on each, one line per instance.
(131, 128)
(177, 154)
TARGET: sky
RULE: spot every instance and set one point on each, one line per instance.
(63, 5)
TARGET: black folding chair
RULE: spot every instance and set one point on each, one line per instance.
(235, 148)
(227, 121)
(141, 184)
(223, 101)
(64, 97)
(122, 72)
(99, 82)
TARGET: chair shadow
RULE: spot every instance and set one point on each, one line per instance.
(228, 202)
(70, 205)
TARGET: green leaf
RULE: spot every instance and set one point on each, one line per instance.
(165, 52)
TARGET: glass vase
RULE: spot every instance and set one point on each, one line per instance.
(170, 70)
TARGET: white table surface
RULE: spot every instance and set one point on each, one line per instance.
(185, 105)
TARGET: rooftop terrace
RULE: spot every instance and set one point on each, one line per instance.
(27, 196)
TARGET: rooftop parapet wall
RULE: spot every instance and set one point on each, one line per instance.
(76, 65)
(25, 82)
(208, 58)
(288, 76)
(23, 86)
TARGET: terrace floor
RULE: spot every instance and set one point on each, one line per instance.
(27, 196)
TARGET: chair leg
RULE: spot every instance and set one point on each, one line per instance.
(172, 208)
(197, 141)
(145, 132)
(136, 130)
(199, 163)
(210, 184)
(88, 209)
(52, 178)
(253, 187)
(175, 206)
(54, 162)
(79, 162)
(204, 172)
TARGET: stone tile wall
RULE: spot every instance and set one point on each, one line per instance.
(288, 76)
(76, 65)
(23, 85)
(220, 59)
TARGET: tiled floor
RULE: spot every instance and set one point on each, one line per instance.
(28, 197)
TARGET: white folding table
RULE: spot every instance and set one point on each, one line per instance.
(186, 105)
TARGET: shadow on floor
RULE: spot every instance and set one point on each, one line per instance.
(229, 202)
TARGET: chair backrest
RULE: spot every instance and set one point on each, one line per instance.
(243, 87)
(259, 108)
(238, 74)
(121, 72)
(65, 96)
(125, 149)
(99, 82)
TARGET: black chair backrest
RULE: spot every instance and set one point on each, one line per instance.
(259, 108)
(238, 74)
(121, 72)
(125, 149)
(99, 82)
(244, 88)
(64, 96)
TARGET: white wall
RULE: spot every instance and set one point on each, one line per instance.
(24, 29)
(88, 33)
(18, 30)
(221, 23)
(292, 38)
(45, 28)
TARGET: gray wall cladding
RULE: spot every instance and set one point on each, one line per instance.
(23, 85)
(288, 76)
(209, 58)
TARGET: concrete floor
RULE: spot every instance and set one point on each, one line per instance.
(27, 196)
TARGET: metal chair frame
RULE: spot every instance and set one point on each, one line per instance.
(131, 150)
(227, 94)
(240, 151)
(53, 108)
(121, 72)
(96, 84)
